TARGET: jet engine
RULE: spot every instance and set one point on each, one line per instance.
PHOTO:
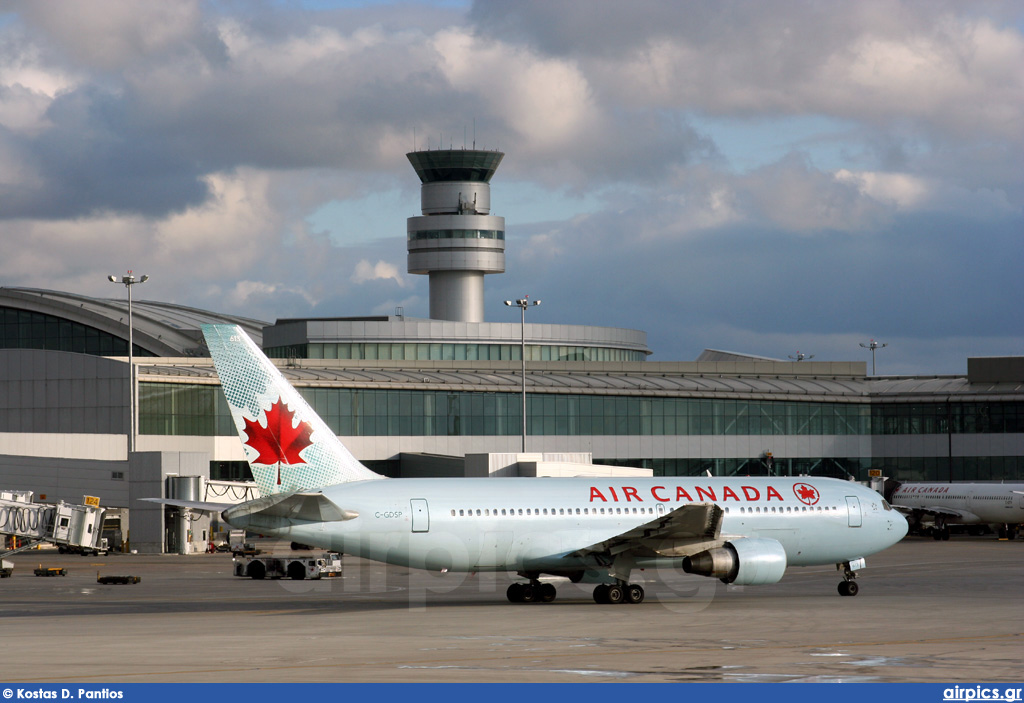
(746, 561)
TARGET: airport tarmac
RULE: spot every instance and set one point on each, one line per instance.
(927, 612)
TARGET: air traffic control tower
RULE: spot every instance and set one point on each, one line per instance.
(456, 241)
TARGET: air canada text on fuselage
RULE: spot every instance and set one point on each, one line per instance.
(804, 492)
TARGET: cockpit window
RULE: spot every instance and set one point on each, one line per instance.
(886, 505)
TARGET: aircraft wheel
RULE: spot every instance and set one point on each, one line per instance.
(634, 593)
(616, 594)
(601, 593)
(515, 593)
(528, 594)
(848, 588)
(936, 534)
(547, 593)
(945, 534)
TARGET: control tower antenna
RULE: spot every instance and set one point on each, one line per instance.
(456, 241)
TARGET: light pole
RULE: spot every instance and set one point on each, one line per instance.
(129, 281)
(523, 303)
(873, 345)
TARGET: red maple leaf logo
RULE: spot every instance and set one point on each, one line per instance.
(278, 442)
(806, 493)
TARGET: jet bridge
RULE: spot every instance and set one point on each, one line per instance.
(63, 524)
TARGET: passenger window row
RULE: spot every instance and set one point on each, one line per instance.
(495, 512)
(530, 512)
(788, 509)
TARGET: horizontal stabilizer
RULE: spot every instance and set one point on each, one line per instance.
(199, 505)
(306, 507)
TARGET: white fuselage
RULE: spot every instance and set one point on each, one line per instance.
(531, 524)
(976, 503)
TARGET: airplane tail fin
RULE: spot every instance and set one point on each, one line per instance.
(288, 446)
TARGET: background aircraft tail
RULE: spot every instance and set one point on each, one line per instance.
(288, 446)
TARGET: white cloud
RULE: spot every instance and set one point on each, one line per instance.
(915, 193)
(956, 74)
(236, 223)
(959, 74)
(546, 101)
(242, 293)
(382, 270)
(903, 189)
(111, 34)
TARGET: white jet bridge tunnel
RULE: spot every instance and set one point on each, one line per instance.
(63, 524)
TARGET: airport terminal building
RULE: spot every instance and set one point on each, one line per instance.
(412, 397)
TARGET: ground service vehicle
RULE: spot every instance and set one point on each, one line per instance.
(313, 566)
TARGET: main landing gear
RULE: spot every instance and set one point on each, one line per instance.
(619, 593)
(849, 587)
(533, 592)
(940, 531)
(537, 592)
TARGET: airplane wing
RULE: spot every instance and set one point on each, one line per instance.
(949, 514)
(686, 530)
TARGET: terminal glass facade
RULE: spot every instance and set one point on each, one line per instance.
(193, 409)
(22, 329)
(451, 352)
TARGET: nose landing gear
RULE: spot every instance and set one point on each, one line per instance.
(848, 586)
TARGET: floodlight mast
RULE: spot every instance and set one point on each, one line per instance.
(873, 345)
(522, 304)
(128, 281)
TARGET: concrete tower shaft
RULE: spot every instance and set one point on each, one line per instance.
(456, 241)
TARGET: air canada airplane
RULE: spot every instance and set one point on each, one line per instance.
(596, 530)
(973, 504)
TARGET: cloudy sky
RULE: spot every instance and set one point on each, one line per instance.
(762, 177)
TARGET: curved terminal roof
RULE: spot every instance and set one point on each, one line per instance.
(163, 329)
(455, 165)
(591, 378)
(933, 388)
(646, 379)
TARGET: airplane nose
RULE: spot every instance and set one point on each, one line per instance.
(899, 526)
